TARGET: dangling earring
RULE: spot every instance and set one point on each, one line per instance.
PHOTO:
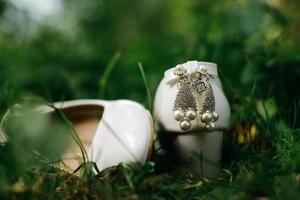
(185, 107)
(201, 85)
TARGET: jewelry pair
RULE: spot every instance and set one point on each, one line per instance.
(195, 98)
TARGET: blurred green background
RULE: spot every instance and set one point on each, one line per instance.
(59, 49)
(71, 49)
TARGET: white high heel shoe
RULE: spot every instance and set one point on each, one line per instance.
(111, 132)
(190, 103)
(123, 134)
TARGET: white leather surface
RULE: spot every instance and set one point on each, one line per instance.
(123, 135)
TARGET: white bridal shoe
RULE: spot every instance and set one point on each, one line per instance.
(190, 105)
(111, 132)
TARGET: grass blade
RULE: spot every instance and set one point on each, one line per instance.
(146, 85)
(107, 72)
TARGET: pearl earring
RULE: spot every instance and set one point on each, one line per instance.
(195, 93)
(202, 87)
(185, 107)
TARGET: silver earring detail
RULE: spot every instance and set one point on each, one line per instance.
(201, 85)
(185, 107)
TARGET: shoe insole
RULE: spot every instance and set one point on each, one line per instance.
(85, 120)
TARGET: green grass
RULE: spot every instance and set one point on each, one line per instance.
(265, 166)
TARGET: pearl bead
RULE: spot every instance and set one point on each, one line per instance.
(191, 114)
(203, 69)
(210, 126)
(180, 70)
(206, 117)
(178, 115)
(215, 116)
(185, 125)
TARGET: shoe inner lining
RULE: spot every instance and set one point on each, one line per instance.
(85, 119)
